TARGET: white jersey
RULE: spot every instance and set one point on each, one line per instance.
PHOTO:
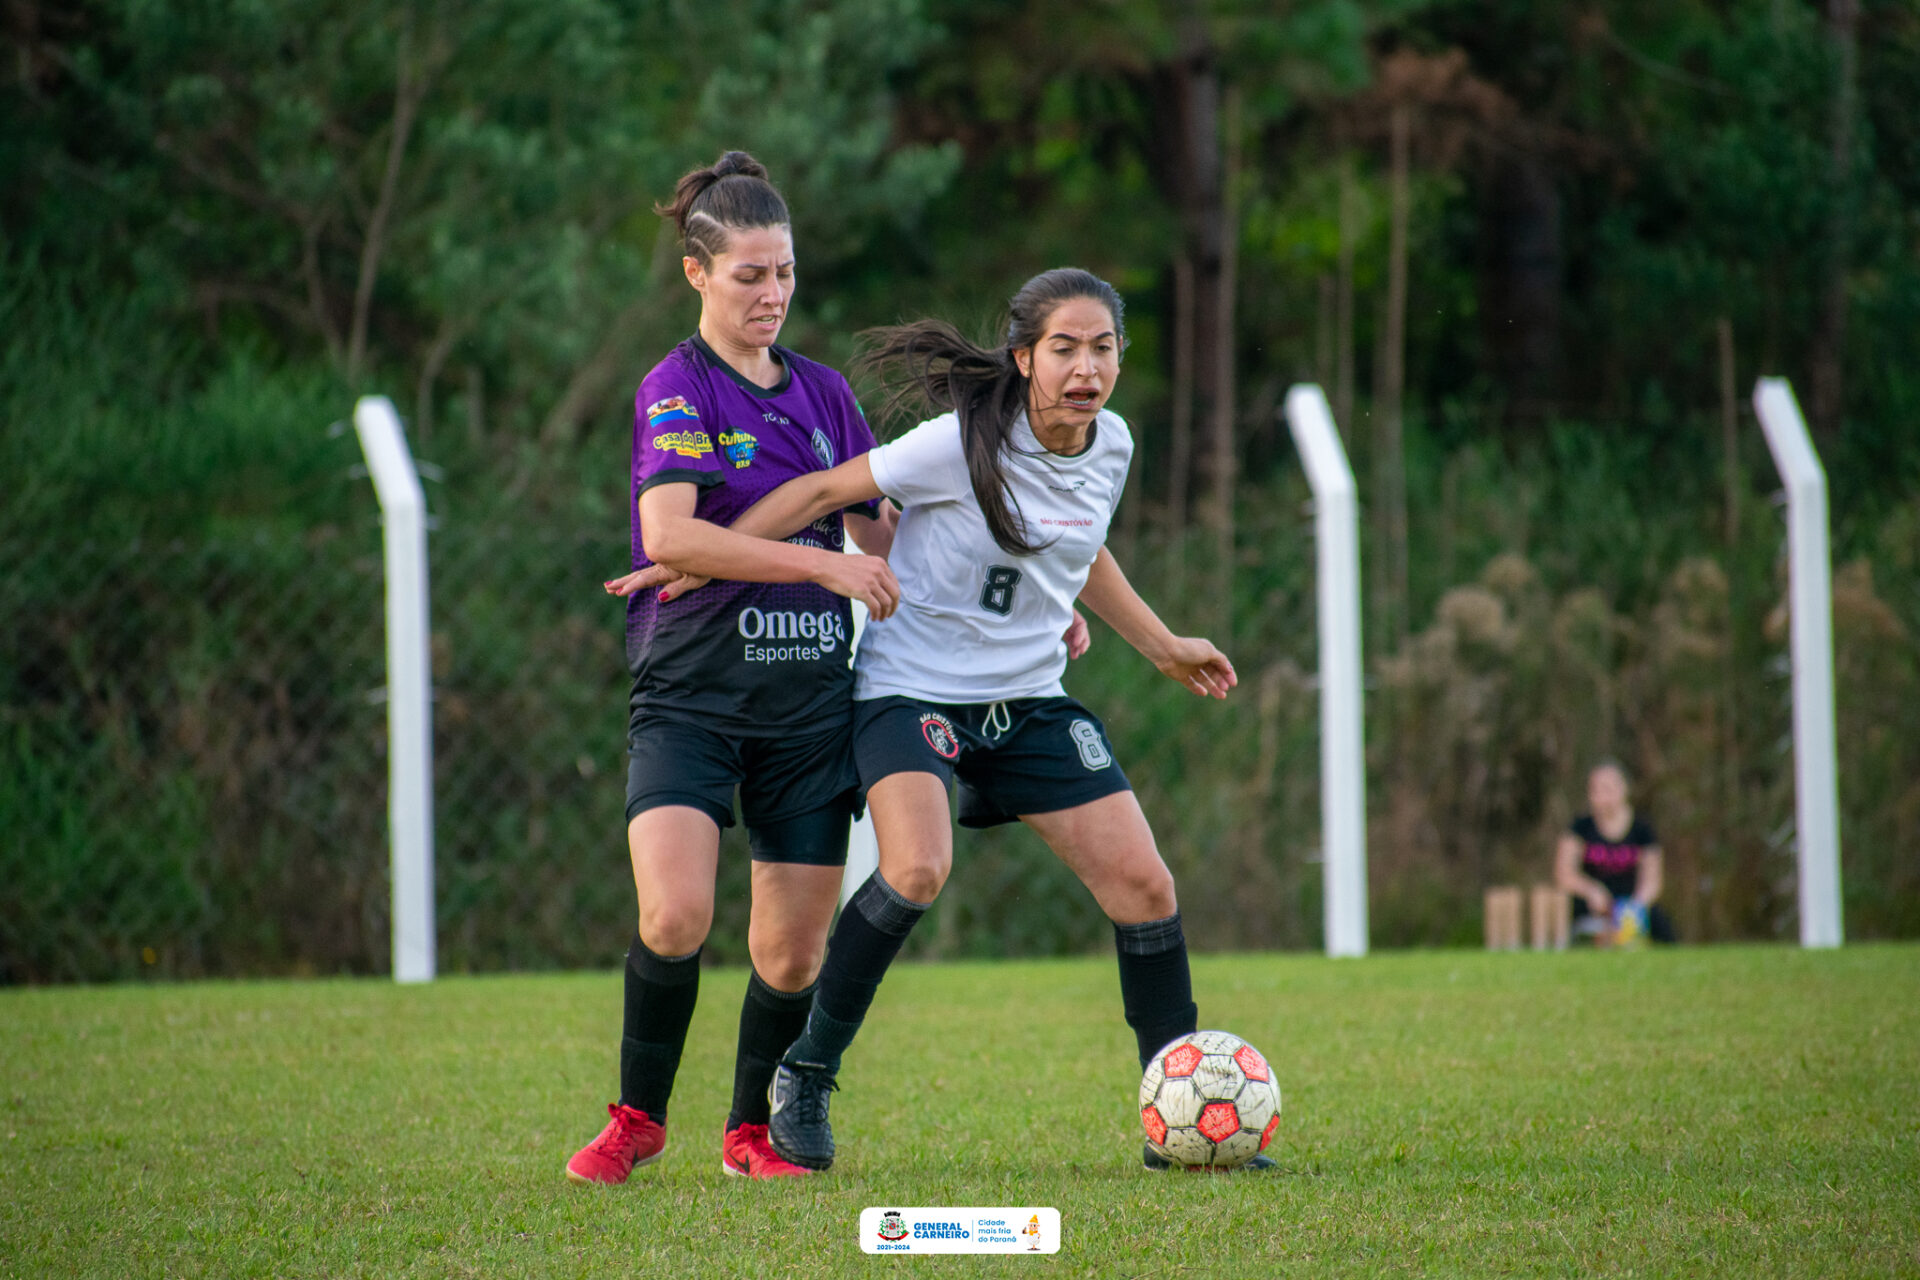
(976, 624)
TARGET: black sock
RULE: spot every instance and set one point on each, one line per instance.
(769, 1021)
(661, 991)
(864, 943)
(1155, 986)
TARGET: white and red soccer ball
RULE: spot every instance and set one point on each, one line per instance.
(1209, 1101)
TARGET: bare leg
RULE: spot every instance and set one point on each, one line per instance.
(675, 851)
(1109, 846)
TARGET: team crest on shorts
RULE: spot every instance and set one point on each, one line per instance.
(822, 447)
(938, 731)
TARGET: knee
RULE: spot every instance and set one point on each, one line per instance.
(1154, 888)
(1144, 893)
(920, 877)
(675, 928)
(786, 963)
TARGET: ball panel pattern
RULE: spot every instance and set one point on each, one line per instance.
(1236, 1149)
(1187, 1147)
(1218, 1121)
(1179, 1103)
(1182, 1060)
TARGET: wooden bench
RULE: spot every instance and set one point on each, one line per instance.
(1548, 918)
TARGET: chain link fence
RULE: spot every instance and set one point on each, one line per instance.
(193, 752)
(193, 772)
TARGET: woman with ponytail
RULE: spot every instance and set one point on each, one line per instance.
(745, 686)
(1006, 497)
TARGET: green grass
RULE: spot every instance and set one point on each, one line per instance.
(1724, 1112)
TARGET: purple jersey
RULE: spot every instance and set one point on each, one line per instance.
(757, 659)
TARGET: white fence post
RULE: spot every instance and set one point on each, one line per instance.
(1816, 795)
(409, 686)
(1343, 777)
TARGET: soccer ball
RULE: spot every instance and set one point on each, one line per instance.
(1209, 1101)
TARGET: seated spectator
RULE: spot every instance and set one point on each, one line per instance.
(1609, 860)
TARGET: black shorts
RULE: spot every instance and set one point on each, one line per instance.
(798, 794)
(1029, 755)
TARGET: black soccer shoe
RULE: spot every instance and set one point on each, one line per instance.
(1157, 1163)
(797, 1126)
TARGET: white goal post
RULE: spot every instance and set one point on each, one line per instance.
(1816, 795)
(1343, 775)
(409, 692)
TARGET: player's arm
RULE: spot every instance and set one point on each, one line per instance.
(874, 534)
(1568, 877)
(804, 499)
(674, 537)
(1651, 876)
(1189, 660)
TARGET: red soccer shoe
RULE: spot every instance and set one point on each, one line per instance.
(632, 1138)
(746, 1153)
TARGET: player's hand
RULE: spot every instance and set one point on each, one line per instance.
(867, 579)
(672, 582)
(1601, 903)
(1079, 639)
(1195, 663)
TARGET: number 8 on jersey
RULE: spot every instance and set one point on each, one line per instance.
(997, 595)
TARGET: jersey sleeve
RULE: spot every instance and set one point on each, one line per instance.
(1123, 451)
(671, 441)
(1643, 833)
(924, 466)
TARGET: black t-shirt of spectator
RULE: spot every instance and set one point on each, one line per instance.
(1614, 863)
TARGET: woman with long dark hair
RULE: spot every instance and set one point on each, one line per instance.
(745, 686)
(1006, 497)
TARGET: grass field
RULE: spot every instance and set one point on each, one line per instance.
(1721, 1112)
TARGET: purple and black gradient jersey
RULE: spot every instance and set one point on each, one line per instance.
(749, 658)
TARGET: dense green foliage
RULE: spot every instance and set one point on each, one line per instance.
(1720, 1111)
(223, 220)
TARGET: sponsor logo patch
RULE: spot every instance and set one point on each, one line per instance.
(688, 444)
(739, 447)
(790, 635)
(671, 412)
(938, 731)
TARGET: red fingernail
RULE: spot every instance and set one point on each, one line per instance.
(662, 597)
